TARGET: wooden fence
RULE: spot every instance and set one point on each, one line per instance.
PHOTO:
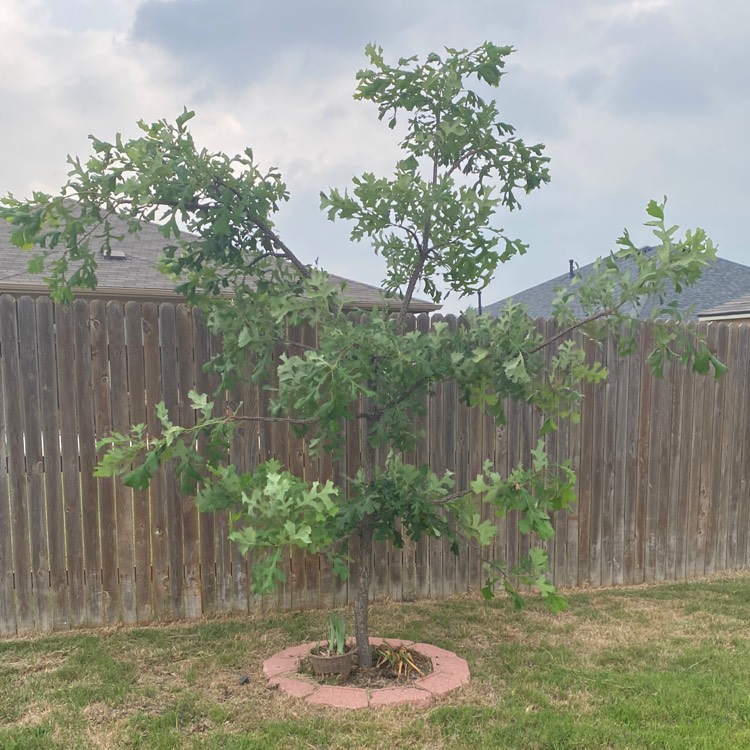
(663, 468)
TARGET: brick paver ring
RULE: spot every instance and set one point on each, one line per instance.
(448, 673)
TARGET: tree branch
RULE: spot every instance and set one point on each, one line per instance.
(456, 164)
(269, 233)
(257, 260)
(591, 318)
(299, 345)
(290, 420)
(453, 496)
(287, 420)
(368, 415)
(406, 393)
(408, 231)
(424, 247)
(293, 259)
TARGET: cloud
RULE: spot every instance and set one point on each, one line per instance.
(659, 83)
(680, 58)
(68, 83)
(586, 83)
(85, 15)
(236, 43)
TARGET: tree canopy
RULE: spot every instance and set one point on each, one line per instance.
(433, 221)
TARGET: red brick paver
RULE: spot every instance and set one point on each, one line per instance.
(279, 665)
(427, 649)
(448, 673)
(289, 685)
(339, 697)
(398, 695)
(441, 682)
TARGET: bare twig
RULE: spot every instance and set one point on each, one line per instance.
(452, 496)
(406, 392)
(456, 164)
(590, 319)
(287, 420)
(408, 231)
(299, 345)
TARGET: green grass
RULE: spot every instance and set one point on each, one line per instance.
(652, 667)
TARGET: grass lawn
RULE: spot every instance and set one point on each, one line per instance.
(663, 666)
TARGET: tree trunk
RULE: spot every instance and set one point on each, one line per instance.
(364, 567)
(362, 592)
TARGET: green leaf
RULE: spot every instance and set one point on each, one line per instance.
(538, 558)
(556, 602)
(244, 338)
(540, 457)
(184, 118)
(486, 532)
(702, 361)
(138, 479)
(549, 425)
(719, 367)
(515, 369)
(655, 209)
(36, 264)
(515, 597)
(655, 361)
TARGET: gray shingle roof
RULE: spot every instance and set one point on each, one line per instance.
(137, 276)
(719, 283)
(739, 307)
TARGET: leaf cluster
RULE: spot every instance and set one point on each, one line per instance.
(461, 162)
(633, 280)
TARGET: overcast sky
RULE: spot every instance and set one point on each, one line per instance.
(634, 99)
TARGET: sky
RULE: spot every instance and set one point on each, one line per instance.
(633, 99)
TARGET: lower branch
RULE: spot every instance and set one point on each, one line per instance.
(288, 420)
(591, 318)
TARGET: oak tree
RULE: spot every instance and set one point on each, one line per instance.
(433, 222)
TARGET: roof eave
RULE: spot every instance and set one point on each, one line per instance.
(137, 294)
(716, 317)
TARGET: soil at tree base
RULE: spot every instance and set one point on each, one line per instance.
(377, 676)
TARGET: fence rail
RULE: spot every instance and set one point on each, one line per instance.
(663, 474)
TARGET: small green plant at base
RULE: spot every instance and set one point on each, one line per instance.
(336, 634)
(336, 643)
(335, 657)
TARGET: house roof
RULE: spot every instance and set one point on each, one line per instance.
(719, 283)
(136, 275)
(735, 308)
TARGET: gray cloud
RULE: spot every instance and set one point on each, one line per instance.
(662, 81)
(586, 83)
(685, 59)
(85, 15)
(240, 42)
